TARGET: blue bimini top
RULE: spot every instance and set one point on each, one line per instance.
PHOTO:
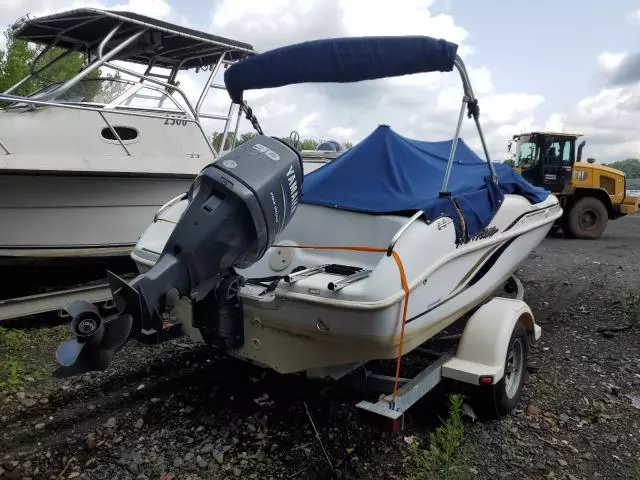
(340, 60)
(389, 173)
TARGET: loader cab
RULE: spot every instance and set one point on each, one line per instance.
(545, 159)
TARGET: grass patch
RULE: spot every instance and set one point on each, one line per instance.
(27, 357)
(635, 468)
(12, 344)
(442, 459)
(595, 411)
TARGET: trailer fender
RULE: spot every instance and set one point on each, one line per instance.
(483, 347)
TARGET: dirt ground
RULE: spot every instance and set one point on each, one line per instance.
(176, 411)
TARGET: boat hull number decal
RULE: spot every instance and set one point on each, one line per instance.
(175, 121)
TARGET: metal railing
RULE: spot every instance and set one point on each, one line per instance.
(146, 79)
(470, 104)
(100, 112)
(173, 201)
(401, 231)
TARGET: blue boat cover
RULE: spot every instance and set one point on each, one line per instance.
(347, 59)
(389, 173)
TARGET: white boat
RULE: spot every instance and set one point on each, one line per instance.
(389, 244)
(85, 163)
(358, 319)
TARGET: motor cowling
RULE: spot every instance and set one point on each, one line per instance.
(236, 208)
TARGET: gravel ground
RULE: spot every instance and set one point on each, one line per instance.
(176, 411)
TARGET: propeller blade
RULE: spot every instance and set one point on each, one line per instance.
(68, 352)
(117, 332)
(90, 358)
(78, 307)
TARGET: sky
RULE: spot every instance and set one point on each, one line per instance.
(569, 66)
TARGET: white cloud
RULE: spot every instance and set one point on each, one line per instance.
(423, 106)
(634, 17)
(307, 124)
(608, 120)
(272, 23)
(151, 8)
(274, 109)
(402, 17)
(505, 107)
(609, 61)
(12, 10)
(555, 123)
(342, 133)
(605, 103)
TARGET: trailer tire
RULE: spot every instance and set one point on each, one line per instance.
(587, 218)
(499, 399)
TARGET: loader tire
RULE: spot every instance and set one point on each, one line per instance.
(587, 218)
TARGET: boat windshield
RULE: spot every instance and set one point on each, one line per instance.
(91, 90)
(104, 91)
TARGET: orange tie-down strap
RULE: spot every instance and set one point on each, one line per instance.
(403, 280)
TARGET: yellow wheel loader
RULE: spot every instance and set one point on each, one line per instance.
(590, 194)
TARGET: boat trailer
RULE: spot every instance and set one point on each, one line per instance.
(491, 355)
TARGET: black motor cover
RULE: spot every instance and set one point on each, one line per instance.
(237, 206)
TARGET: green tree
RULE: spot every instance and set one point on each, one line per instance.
(245, 137)
(18, 56)
(216, 140)
(630, 166)
(308, 144)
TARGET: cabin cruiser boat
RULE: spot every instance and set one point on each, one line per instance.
(365, 258)
(85, 163)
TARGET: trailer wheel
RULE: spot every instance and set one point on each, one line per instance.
(499, 399)
(587, 218)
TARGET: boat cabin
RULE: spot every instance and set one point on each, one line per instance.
(138, 119)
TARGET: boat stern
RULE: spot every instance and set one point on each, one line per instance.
(152, 241)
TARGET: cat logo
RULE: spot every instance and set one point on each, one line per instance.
(580, 175)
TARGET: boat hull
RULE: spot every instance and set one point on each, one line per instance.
(304, 326)
(62, 215)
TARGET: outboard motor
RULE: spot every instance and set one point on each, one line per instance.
(236, 208)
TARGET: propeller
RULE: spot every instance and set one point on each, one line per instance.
(95, 342)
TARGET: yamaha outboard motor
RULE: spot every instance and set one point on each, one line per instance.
(236, 208)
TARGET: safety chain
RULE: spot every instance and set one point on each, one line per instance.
(250, 116)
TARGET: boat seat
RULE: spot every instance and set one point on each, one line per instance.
(319, 225)
(314, 225)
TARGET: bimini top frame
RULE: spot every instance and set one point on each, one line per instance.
(167, 45)
(353, 59)
(105, 36)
